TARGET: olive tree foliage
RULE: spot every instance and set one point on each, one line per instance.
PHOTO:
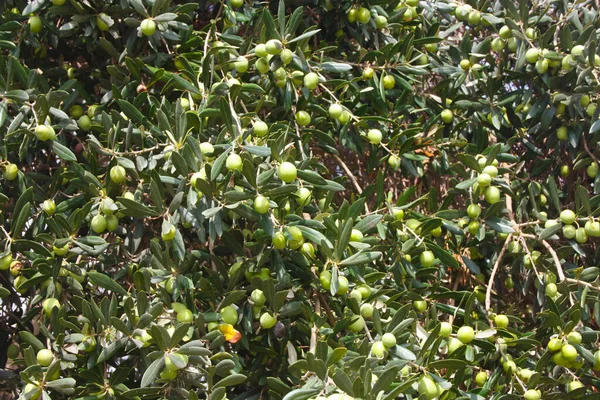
(296, 200)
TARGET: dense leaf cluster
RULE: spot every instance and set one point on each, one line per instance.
(299, 200)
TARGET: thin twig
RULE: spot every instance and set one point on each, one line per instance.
(488, 293)
(582, 283)
(587, 149)
(351, 176)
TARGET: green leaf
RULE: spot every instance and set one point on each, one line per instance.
(449, 364)
(106, 282)
(367, 223)
(499, 224)
(331, 66)
(136, 209)
(547, 233)
(361, 258)
(152, 372)
(63, 152)
(231, 380)
(443, 255)
(385, 380)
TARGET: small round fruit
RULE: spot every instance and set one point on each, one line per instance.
(358, 325)
(491, 171)
(185, 316)
(474, 211)
(49, 304)
(233, 162)
(287, 172)
(274, 46)
(267, 321)
(569, 352)
(388, 340)
(325, 279)
(577, 51)
(118, 174)
(581, 236)
(427, 387)
(565, 171)
(569, 231)
(574, 337)
(343, 285)
(592, 169)
(260, 128)
(13, 351)
(551, 290)
(445, 329)
(303, 118)
(501, 321)
(532, 55)
(101, 23)
(261, 204)
(311, 80)
(474, 17)
(474, 227)
(368, 73)
(505, 32)
(465, 334)
(229, 315)
(304, 196)
(364, 15)
(11, 171)
(45, 133)
(241, 64)
(453, 345)
(492, 195)
(98, 223)
(541, 66)
(378, 349)
(76, 111)
(380, 22)
(465, 64)
(49, 207)
(567, 217)
(420, 305)
(296, 237)
(394, 162)
(574, 385)
(366, 310)
(279, 241)
(169, 235)
(356, 236)
(532, 394)
(484, 179)
(481, 378)
(32, 392)
(345, 117)
(262, 65)
(148, 27)
(389, 82)
(562, 133)
(427, 258)
(286, 56)
(112, 222)
(375, 136)
(85, 123)
(447, 116)
(498, 44)
(35, 24)
(258, 297)
(237, 3)
(335, 111)
(44, 357)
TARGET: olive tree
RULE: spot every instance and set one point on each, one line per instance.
(299, 200)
